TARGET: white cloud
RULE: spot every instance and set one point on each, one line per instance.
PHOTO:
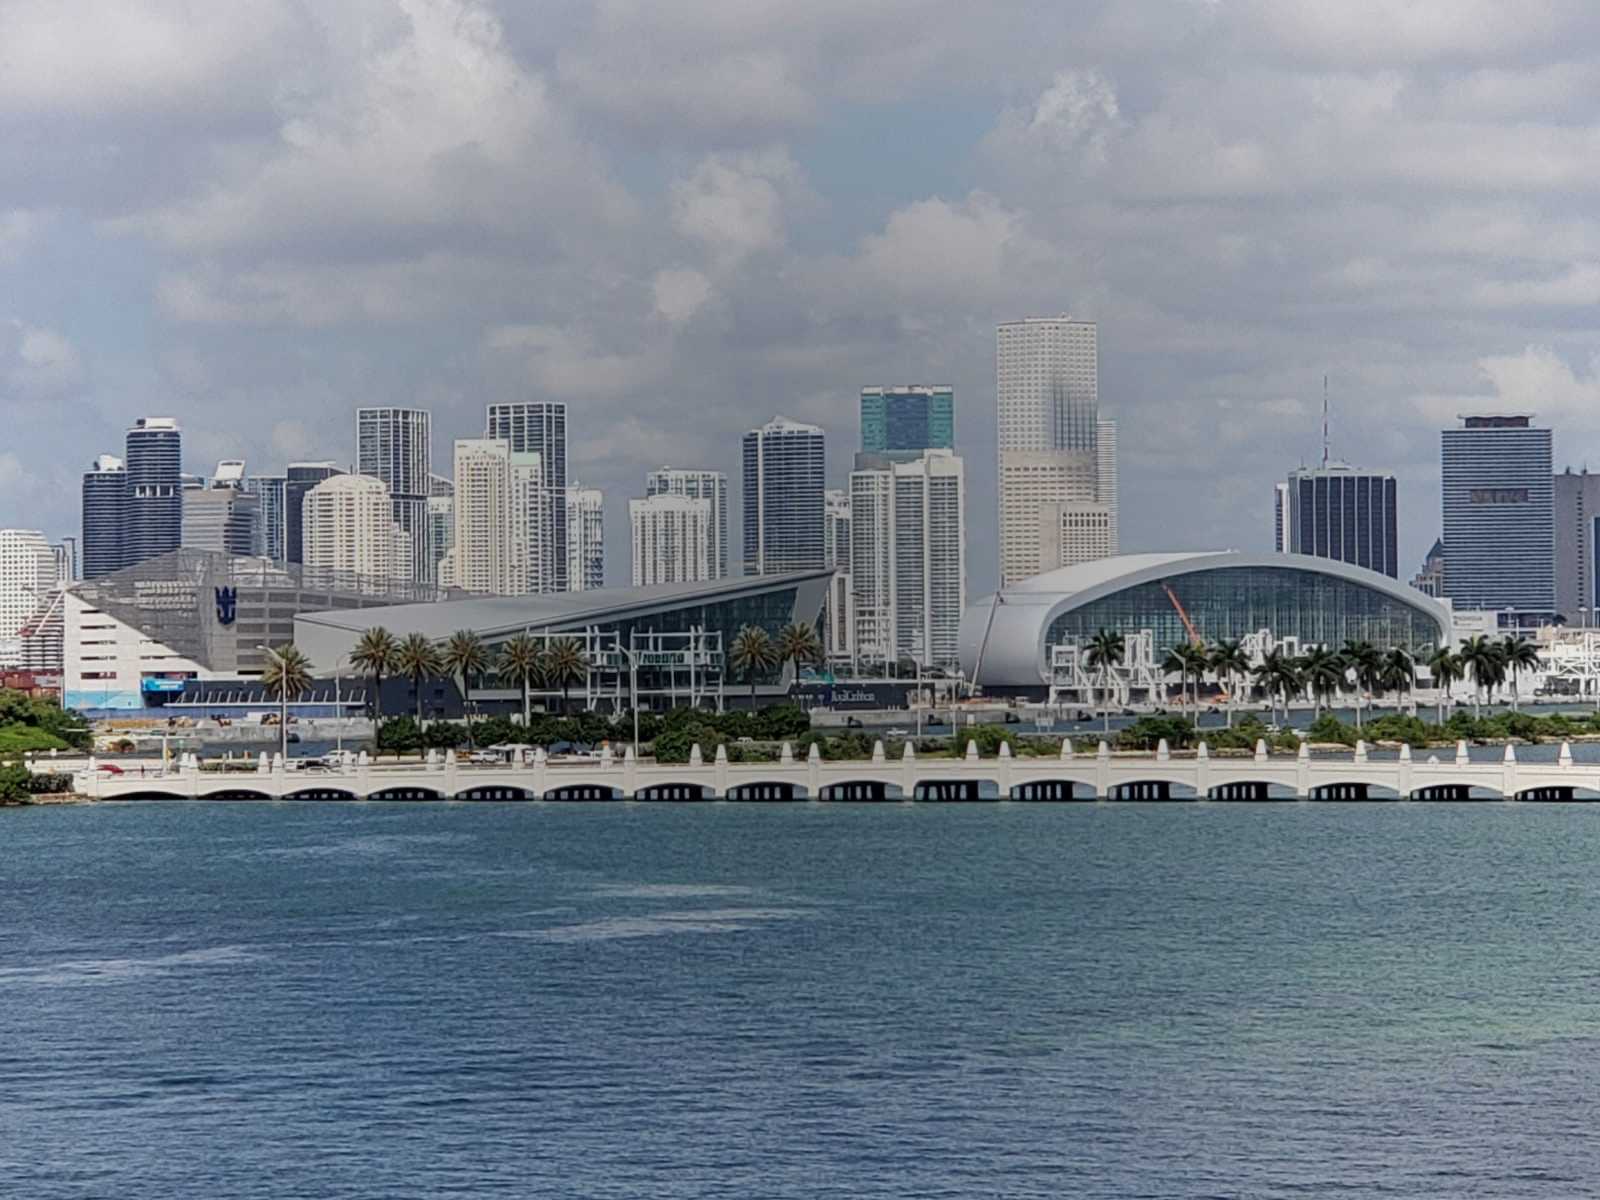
(566, 363)
(680, 293)
(734, 206)
(37, 364)
(433, 132)
(114, 57)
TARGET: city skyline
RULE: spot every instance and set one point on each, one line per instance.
(640, 259)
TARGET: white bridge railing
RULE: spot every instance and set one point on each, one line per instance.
(1071, 775)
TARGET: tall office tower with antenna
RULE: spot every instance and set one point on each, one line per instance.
(1338, 511)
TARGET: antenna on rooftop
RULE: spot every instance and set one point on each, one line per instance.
(1324, 421)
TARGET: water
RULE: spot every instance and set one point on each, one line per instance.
(799, 1001)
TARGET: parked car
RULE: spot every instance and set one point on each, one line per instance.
(896, 732)
(111, 769)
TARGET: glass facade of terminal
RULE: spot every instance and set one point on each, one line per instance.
(1232, 602)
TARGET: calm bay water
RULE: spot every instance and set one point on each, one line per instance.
(799, 1001)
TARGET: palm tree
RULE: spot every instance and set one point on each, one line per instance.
(799, 643)
(1106, 652)
(1230, 662)
(375, 653)
(522, 663)
(288, 673)
(1397, 674)
(1365, 664)
(465, 655)
(1518, 655)
(418, 660)
(1322, 672)
(1277, 673)
(1446, 667)
(753, 652)
(565, 664)
(1199, 656)
(1482, 657)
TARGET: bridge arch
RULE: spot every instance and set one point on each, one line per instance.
(321, 792)
(489, 793)
(581, 792)
(963, 789)
(1153, 788)
(1352, 789)
(766, 791)
(153, 794)
(409, 792)
(866, 790)
(675, 792)
(1048, 790)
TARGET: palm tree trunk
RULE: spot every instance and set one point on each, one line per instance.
(527, 712)
(466, 709)
(416, 682)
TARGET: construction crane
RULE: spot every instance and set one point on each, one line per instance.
(1194, 634)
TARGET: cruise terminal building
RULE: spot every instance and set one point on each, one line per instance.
(1019, 641)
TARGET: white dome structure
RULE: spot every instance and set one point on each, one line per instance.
(1006, 638)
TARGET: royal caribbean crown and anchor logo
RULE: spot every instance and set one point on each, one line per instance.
(227, 601)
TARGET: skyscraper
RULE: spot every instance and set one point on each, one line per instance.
(907, 419)
(395, 445)
(66, 552)
(540, 427)
(220, 519)
(105, 500)
(670, 539)
(153, 517)
(441, 518)
(783, 498)
(1499, 521)
(298, 479)
(698, 485)
(27, 577)
(1335, 511)
(1577, 540)
(271, 534)
(502, 513)
(1055, 448)
(838, 613)
(586, 538)
(908, 567)
(349, 529)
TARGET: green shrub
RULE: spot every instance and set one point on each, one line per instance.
(399, 735)
(1328, 728)
(14, 783)
(1147, 732)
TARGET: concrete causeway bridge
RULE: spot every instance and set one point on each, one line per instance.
(1097, 774)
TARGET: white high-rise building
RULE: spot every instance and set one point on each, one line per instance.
(586, 538)
(501, 517)
(348, 527)
(908, 565)
(1055, 448)
(671, 539)
(838, 627)
(698, 485)
(27, 578)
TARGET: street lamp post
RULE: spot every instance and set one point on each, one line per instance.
(283, 705)
(633, 692)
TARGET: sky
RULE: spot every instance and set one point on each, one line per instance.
(682, 218)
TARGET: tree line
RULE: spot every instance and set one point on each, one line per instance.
(1322, 674)
(523, 660)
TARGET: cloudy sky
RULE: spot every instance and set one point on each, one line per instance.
(683, 216)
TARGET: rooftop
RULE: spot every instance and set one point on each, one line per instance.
(491, 615)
